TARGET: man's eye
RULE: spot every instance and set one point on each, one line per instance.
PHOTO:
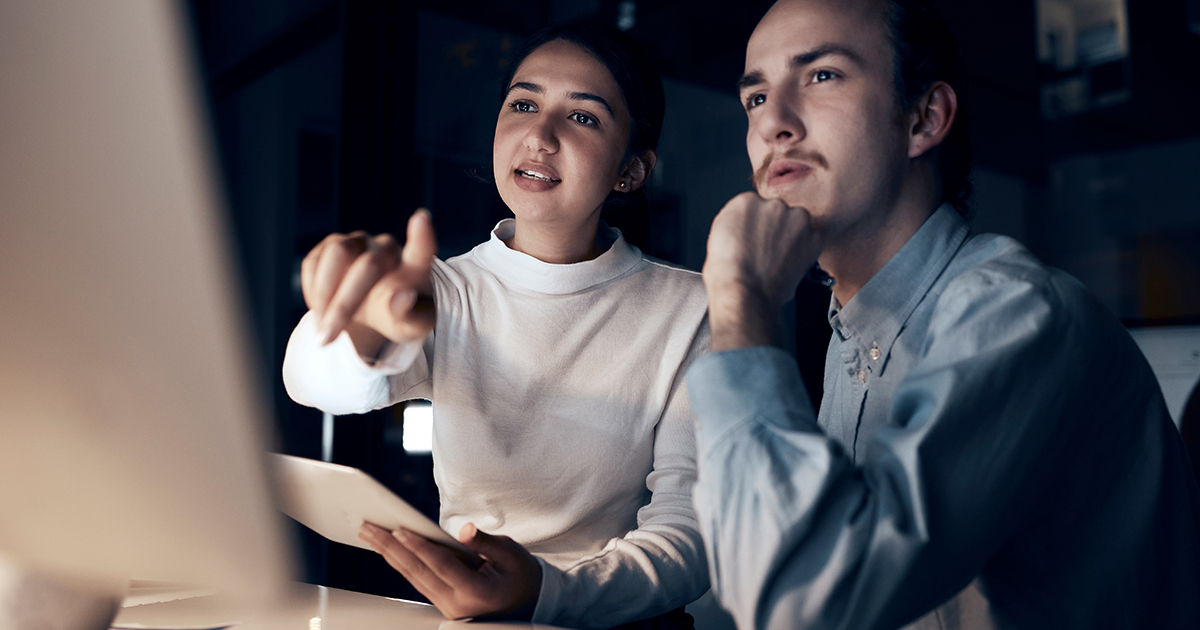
(583, 119)
(755, 100)
(823, 75)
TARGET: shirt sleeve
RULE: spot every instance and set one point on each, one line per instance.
(799, 536)
(335, 379)
(656, 568)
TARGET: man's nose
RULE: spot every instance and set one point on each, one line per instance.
(781, 122)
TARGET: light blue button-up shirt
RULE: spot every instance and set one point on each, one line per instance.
(985, 423)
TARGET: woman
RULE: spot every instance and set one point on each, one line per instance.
(555, 363)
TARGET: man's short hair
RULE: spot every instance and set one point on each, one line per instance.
(925, 52)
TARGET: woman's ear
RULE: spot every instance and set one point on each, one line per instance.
(637, 171)
(932, 119)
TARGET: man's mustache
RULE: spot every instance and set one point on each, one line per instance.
(800, 155)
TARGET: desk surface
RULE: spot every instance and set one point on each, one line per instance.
(312, 608)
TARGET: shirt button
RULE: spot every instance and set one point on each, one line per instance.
(875, 353)
(862, 376)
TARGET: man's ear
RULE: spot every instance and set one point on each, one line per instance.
(637, 171)
(930, 123)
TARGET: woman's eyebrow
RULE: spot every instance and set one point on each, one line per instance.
(584, 96)
(575, 96)
(528, 87)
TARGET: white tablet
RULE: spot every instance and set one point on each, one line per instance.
(335, 501)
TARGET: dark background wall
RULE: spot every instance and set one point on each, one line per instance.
(336, 115)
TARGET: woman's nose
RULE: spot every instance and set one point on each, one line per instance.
(541, 136)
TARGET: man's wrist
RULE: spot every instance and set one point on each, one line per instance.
(740, 316)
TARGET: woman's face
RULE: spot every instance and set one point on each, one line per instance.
(561, 137)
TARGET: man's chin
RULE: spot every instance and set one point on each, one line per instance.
(791, 197)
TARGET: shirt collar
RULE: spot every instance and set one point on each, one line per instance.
(527, 272)
(876, 314)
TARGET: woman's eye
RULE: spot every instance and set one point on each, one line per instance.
(522, 106)
(755, 100)
(583, 119)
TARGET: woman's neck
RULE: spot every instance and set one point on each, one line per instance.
(556, 244)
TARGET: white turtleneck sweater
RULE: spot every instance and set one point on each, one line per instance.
(561, 417)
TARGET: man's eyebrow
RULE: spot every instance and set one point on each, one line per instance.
(806, 58)
(755, 77)
(575, 96)
(748, 80)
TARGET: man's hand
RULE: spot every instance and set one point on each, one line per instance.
(371, 288)
(758, 251)
(506, 584)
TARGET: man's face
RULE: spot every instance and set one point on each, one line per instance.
(824, 131)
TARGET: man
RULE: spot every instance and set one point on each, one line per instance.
(991, 446)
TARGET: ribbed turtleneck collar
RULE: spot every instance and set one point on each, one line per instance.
(529, 273)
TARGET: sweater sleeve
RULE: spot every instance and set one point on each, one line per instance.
(335, 379)
(658, 567)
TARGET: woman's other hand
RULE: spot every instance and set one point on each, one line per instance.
(506, 585)
(371, 287)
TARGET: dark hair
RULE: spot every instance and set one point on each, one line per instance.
(630, 66)
(925, 52)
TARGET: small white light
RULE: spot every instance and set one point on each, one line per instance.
(626, 15)
(418, 427)
(314, 623)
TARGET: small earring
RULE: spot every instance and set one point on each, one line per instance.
(622, 184)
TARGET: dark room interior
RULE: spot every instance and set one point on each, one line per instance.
(342, 115)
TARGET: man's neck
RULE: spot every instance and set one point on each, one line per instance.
(858, 254)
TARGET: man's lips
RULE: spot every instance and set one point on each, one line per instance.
(787, 167)
(784, 171)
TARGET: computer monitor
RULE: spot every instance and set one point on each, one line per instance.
(132, 426)
(1174, 354)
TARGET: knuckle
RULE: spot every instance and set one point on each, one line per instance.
(350, 246)
(329, 240)
(373, 265)
(386, 241)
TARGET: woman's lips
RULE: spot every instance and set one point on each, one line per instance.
(536, 177)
